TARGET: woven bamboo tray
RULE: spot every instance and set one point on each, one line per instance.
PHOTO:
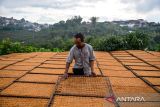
(147, 73)
(11, 73)
(39, 78)
(5, 82)
(155, 53)
(153, 81)
(112, 68)
(58, 62)
(128, 58)
(121, 73)
(16, 67)
(119, 55)
(57, 59)
(118, 81)
(133, 63)
(157, 87)
(118, 52)
(44, 54)
(22, 102)
(148, 93)
(60, 57)
(110, 63)
(154, 63)
(75, 101)
(106, 56)
(143, 68)
(28, 63)
(48, 71)
(107, 61)
(3, 62)
(55, 62)
(52, 66)
(136, 51)
(139, 104)
(132, 90)
(65, 55)
(13, 59)
(136, 61)
(29, 89)
(84, 86)
(36, 60)
(157, 66)
(2, 66)
(97, 71)
(151, 60)
(70, 71)
(144, 56)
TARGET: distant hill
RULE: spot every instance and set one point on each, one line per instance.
(11, 23)
(59, 34)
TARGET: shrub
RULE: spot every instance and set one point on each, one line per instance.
(157, 47)
(7, 46)
(136, 40)
(112, 43)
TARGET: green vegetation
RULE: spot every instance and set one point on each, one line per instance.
(135, 40)
(132, 41)
(7, 46)
(104, 36)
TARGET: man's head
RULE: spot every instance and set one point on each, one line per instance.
(78, 38)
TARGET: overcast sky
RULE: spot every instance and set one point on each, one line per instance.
(52, 11)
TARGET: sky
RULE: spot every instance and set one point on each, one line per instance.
(53, 11)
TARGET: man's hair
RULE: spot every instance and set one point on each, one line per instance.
(79, 35)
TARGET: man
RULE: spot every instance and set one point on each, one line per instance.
(83, 55)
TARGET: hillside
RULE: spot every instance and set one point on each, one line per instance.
(58, 35)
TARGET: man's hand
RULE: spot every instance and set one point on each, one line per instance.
(65, 76)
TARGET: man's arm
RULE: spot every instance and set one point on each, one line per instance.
(67, 67)
(68, 62)
(92, 59)
(66, 70)
(92, 66)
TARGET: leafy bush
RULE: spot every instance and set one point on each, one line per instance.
(157, 47)
(7, 46)
(113, 43)
(136, 40)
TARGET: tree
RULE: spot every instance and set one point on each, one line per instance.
(93, 21)
(136, 40)
(113, 43)
(76, 20)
